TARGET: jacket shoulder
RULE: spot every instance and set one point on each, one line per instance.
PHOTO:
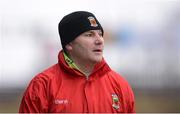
(119, 82)
(43, 79)
(36, 96)
(117, 78)
(47, 74)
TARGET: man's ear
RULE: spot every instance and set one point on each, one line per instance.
(68, 47)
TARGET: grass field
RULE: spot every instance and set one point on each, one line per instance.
(146, 101)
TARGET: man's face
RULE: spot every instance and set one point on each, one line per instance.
(88, 46)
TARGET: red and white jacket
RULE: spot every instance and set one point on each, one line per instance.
(63, 89)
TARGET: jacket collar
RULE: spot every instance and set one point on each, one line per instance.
(100, 68)
(70, 62)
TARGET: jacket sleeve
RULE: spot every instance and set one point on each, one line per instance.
(35, 97)
(131, 101)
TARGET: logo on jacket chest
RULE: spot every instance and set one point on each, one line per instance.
(115, 101)
(60, 101)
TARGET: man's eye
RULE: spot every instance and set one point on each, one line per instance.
(100, 34)
(89, 35)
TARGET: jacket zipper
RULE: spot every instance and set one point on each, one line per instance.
(87, 78)
(85, 89)
(85, 92)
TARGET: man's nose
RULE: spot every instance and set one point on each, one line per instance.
(99, 39)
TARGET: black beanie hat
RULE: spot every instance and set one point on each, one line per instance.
(74, 24)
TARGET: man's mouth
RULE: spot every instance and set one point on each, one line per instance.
(97, 50)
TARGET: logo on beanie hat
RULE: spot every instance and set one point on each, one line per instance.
(92, 21)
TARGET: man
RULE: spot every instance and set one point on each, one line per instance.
(81, 81)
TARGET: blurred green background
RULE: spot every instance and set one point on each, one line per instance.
(142, 43)
(149, 101)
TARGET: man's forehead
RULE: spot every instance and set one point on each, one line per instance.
(93, 31)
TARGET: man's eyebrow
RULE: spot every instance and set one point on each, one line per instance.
(90, 31)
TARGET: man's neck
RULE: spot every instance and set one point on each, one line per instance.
(86, 68)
